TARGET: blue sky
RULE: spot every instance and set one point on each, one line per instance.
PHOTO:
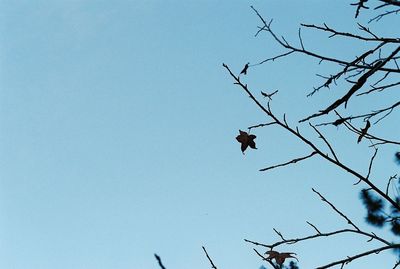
(118, 128)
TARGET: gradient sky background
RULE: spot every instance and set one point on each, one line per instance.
(118, 128)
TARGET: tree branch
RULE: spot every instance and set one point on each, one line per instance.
(351, 258)
(361, 81)
(268, 112)
(159, 261)
(289, 162)
(208, 257)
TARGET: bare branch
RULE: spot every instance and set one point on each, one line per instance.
(326, 142)
(315, 228)
(379, 89)
(360, 5)
(208, 257)
(289, 162)
(337, 211)
(274, 58)
(374, 68)
(371, 162)
(380, 16)
(268, 112)
(349, 68)
(389, 181)
(318, 235)
(301, 40)
(282, 41)
(159, 261)
(353, 129)
(334, 32)
(261, 125)
(391, 2)
(351, 258)
(264, 259)
(361, 81)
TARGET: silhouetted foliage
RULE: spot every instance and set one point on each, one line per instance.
(397, 157)
(293, 265)
(374, 207)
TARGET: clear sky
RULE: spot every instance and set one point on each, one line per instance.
(117, 136)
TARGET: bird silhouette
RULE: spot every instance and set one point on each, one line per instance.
(244, 71)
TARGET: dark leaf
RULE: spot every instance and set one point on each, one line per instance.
(246, 140)
(279, 257)
(244, 71)
(339, 121)
(268, 95)
(364, 131)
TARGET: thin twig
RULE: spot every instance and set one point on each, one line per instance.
(264, 259)
(371, 162)
(389, 181)
(159, 261)
(360, 82)
(334, 32)
(351, 258)
(289, 162)
(208, 257)
(326, 142)
(315, 228)
(261, 125)
(318, 235)
(337, 210)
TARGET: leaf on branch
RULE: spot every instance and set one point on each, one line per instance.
(364, 131)
(244, 70)
(268, 95)
(279, 257)
(246, 140)
(339, 121)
